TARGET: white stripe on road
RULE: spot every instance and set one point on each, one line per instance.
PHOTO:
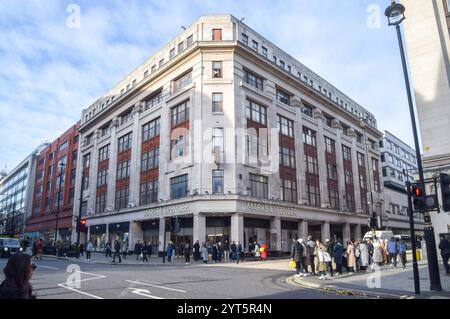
(81, 292)
(145, 284)
(41, 266)
(144, 292)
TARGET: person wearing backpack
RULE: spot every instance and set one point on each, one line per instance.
(402, 251)
(392, 248)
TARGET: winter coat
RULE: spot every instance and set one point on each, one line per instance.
(444, 246)
(296, 251)
(377, 253)
(257, 252)
(311, 247)
(304, 250)
(89, 247)
(137, 248)
(392, 247)
(322, 266)
(169, 250)
(363, 255)
(196, 248)
(384, 251)
(214, 252)
(7, 292)
(338, 250)
(204, 253)
(351, 258)
(264, 252)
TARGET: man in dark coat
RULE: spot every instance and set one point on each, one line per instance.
(117, 251)
(296, 255)
(197, 251)
(137, 249)
(444, 246)
(233, 251)
(338, 251)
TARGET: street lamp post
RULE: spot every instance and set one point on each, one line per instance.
(396, 14)
(59, 199)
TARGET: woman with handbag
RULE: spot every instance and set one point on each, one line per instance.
(320, 251)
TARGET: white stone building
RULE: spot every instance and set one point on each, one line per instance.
(397, 158)
(193, 133)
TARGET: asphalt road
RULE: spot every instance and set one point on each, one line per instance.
(196, 281)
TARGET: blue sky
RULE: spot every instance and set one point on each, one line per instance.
(50, 72)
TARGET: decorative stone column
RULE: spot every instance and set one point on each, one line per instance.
(135, 167)
(356, 185)
(112, 166)
(358, 235)
(275, 234)
(136, 233)
(299, 152)
(346, 234)
(303, 229)
(237, 228)
(325, 231)
(340, 164)
(199, 227)
(320, 139)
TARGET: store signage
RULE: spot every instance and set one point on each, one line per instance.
(168, 210)
(271, 210)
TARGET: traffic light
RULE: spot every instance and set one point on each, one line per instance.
(418, 197)
(445, 191)
(372, 222)
(81, 225)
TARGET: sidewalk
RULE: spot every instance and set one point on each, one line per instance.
(386, 283)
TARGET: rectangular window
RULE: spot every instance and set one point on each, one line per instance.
(289, 191)
(73, 175)
(217, 140)
(256, 112)
(312, 165)
(334, 199)
(153, 101)
(149, 192)
(282, 64)
(124, 142)
(153, 68)
(359, 137)
(285, 126)
(181, 82)
(178, 147)
(217, 181)
(103, 153)
(332, 171)
(259, 186)
(180, 47)
(190, 40)
(172, 53)
(330, 146)
(287, 157)
(307, 110)
(217, 69)
(348, 177)
(145, 74)
(217, 34)
(346, 153)
(309, 136)
(361, 158)
(255, 45)
(126, 117)
(161, 63)
(350, 200)
(180, 114)
(151, 130)
(253, 80)
(123, 169)
(102, 178)
(264, 52)
(283, 97)
(122, 196)
(217, 102)
(345, 130)
(63, 146)
(313, 195)
(179, 186)
(150, 160)
(328, 121)
(245, 38)
(100, 203)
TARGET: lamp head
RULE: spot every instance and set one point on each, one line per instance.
(395, 13)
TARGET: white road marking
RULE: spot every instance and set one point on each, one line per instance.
(79, 291)
(156, 286)
(41, 266)
(144, 292)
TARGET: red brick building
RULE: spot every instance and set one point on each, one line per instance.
(44, 216)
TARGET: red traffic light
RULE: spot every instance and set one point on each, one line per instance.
(417, 191)
(83, 222)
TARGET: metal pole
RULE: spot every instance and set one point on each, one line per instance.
(433, 266)
(413, 241)
(57, 205)
(81, 206)
(164, 242)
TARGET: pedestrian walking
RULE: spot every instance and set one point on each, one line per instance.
(149, 250)
(264, 252)
(444, 246)
(233, 251)
(18, 272)
(124, 249)
(34, 249)
(351, 259)
(137, 249)
(116, 251)
(305, 257)
(239, 252)
(357, 255)
(329, 246)
(219, 252)
(377, 253)
(40, 249)
(364, 259)
(226, 251)
(338, 251)
(204, 253)
(320, 251)
(197, 251)
(311, 246)
(392, 248)
(187, 252)
(88, 250)
(81, 248)
(170, 251)
(402, 252)
(296, 255)
(383, 246)
(214, 253)
(257, 251)
(144, 251)
(108, 250)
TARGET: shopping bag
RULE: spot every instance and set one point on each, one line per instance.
(292, 264)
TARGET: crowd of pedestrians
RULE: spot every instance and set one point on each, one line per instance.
(332, 257)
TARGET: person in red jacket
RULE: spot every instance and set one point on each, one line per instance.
(263, 252)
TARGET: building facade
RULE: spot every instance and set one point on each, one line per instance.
(16, 189)
(399, 164)
(54, 181)
(427, 38)
(237, 139)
